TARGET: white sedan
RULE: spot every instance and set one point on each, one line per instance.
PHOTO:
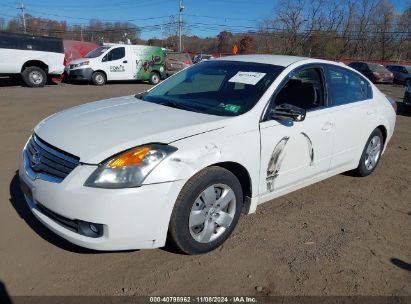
(183, 160)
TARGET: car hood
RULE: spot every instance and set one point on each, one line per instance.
(98, 130)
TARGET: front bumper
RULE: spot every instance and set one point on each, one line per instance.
(80, 74)
(133, 218)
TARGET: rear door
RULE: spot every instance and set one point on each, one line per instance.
(353, 112)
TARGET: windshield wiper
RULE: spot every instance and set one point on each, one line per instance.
(141, 95)
(175, 105)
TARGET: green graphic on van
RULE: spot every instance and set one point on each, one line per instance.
(149, 59)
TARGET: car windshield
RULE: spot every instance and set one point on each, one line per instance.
(408, 68)
(377, 67)
(224, 88)
(97, 52)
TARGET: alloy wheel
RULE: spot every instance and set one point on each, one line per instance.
(373, 152)
(212, 213)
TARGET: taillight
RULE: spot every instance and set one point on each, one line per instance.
(187, 62)
(392, 102)
(65, 61)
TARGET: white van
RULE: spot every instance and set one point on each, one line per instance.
(33, 57)
(119, 62)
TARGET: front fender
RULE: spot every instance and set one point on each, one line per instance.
(201, 151)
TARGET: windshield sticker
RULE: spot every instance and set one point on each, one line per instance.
(247, 77)
(230, 107)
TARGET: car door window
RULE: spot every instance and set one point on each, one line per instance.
(116, 54)
(347, 87)
(304, 89)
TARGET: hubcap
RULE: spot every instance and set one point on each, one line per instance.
(155, 79)
(212, 213)
(99, 78)
(373, 152)
(36, 77)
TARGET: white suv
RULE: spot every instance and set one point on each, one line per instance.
(186, 158)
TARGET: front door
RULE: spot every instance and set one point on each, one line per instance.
(293, 152)
(117, 65)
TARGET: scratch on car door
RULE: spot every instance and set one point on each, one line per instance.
(310, 148)
(275, 162)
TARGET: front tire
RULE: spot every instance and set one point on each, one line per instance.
(98, 78)
(206, 211)
(371, 153)
(34, 77)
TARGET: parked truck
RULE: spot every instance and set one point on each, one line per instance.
(35, 58)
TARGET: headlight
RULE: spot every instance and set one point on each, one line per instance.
(81, 64)
(129, 169)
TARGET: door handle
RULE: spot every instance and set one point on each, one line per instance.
(125, 61)
(327, 126)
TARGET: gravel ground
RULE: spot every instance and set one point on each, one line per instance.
(342, 236)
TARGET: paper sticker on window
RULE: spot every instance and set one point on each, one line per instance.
(247, 77)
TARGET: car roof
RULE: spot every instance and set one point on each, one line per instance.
(280, 60)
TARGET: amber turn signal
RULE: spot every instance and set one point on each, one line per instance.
(130, 158)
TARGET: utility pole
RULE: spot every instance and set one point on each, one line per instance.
(180, 23)
(23, 15)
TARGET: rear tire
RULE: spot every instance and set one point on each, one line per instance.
(154, 78)
(98, 78)
(371, 154)
(206, 211)
(34, 77)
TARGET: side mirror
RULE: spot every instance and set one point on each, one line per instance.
(104, 59)
(287, 111)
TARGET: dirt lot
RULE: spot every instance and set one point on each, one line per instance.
(342, 236)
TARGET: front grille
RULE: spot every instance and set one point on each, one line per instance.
(46, 159)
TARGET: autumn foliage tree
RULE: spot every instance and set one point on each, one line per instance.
(225, 42)
(246, 45)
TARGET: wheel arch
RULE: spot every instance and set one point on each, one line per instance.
(101, 71)
(243, 177)
(37, 63)
(158, 73)
(383, 130)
